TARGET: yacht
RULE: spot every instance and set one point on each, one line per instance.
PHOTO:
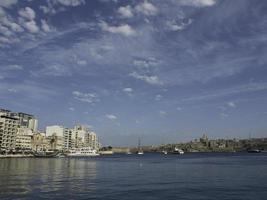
(140, 151)
(253, 151)
(83, 152)
(165, 152)
(178, 151)
(45, 154)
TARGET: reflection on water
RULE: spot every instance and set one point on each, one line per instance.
(131, 177)
(44, 177)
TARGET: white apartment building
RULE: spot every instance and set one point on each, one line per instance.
(93, 140)
(24, 138)
(8, 130)
(54, 130)
(55, 135)
(33, 125)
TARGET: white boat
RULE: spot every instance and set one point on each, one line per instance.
(80, 152)
(178, 151)
(140, 151)
(128, 152)
(165, 152)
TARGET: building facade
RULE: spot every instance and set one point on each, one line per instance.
(24, 138)
(8, 129)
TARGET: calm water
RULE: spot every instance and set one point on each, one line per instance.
(148, 176)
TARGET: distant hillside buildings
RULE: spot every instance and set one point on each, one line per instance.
(19, 131)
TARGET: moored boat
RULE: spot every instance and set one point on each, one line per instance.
(177, 151)
(45, 154)
(83, 152)
(254, 151)
(139, 151)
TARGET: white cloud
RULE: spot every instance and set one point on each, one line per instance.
(12, 90)
(53, 70)
(153, 80)
(45, 26)
(55, 6)
(158, 97)
(123, 29)
(251, 87)
(111, 117)
(125, 11)
(7, 3)
(27, 13)
(4, 40)
(31, 26)
(224, 115)
(198, 3)
(70, 2)
(231, 104)
(71, 108)
(146, 63)
(128, 90)
(146, 8)
(14, 67)
(174, 26)
(179, 108)
(82, 62)
(162, 112)
(2, 12)
(85, 97)
(15, 27)
(29, 90)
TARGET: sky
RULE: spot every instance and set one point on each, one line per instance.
(165, 71)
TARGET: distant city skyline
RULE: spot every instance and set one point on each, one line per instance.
(164, 71)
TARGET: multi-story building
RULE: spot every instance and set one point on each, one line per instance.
(55, 134)
(33, 125)
(28, 120)
(8, 129)
(24, 138)
(40, 142)
(93, 140)
(80, 133)
(62, 138)
(69, 139)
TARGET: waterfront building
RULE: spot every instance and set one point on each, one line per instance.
(93, 140)
(55, 142)
(24, 138)
(80, 133)
(55, 135)
(54, 130)
(8, 129)
(204, 140)
(40, 142)
(28, 121)
(62, 138)
(33, 125)
(68, 138)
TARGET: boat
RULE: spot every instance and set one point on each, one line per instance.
(128, 152)
(83, 152)
(253, 151)
(106, 152)
(140, 151)
(177, 151)
(45, 154)
(165, 152)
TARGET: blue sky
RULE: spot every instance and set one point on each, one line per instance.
(165, 71)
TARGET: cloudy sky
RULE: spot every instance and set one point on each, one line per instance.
(165, 71)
